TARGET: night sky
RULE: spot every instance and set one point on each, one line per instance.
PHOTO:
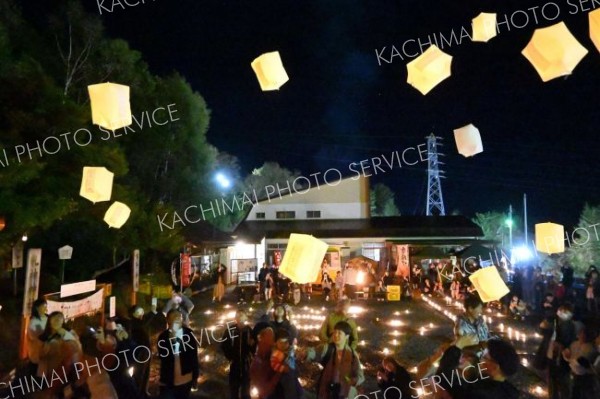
(341, 106)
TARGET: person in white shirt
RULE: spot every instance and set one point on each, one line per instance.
(37, 325)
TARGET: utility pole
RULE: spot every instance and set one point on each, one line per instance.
(434, 186)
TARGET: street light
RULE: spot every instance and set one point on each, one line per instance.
(223, 181)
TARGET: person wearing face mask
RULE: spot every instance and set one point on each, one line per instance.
(563, 335)
(178, 352)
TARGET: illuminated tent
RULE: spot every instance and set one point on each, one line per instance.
(489, 284)
(117, 215)
(550, 238)
(429, 69)
(96, 184)
(484, 27)
(110, 105)
(303, 258)
(269, 71)
(594, 18)
(554, 51)
(468, 140)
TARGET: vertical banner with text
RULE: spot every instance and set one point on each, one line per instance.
(32, 279)
(17, 256)
(136, 270)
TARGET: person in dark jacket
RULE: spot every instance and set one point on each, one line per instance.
(238, 347)
(139, 332)
(394, 380)
(178, 352)
(499, 361)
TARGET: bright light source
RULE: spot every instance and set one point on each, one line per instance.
(223, 181)
(355, 310)
(360, 278)
(130, 371)
(522, 253)
(24, 238)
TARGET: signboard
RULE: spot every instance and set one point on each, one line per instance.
(92, 303)
(136, 270)
(77, 288)
(246, 265)
(17, 256)
(113, 307)
(65, 252)
(403, 260)
(32, 279)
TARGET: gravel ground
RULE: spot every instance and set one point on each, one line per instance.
(418, 332)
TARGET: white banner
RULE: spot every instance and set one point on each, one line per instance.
(32, 279)
(73, 309)
(77, 288)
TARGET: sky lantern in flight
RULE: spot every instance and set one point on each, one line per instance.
(429, 69)
(303, 258)
(594, 18)
(269, 71)
(554, 51)
(549, 238)
(117, 215)
(110, 105)
(484, 27)
(489, 284)
(96, 184)
(468, 140)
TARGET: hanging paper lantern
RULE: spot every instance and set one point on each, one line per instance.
(484, 27)
(429, 69)
(96, 184)
(489, 284)
(468, 140)
(270, 71)
(117, 215)
(554, 51)
(110, 105)
(303, 257)
(594, 18)
(549, 238)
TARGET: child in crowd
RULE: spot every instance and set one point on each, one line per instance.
(283, 360)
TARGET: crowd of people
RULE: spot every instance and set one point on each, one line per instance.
(110, 360)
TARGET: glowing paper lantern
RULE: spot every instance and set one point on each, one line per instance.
(270, 71)
(468, 140)
(303, 257)
(110, 105)
(554, 51)
(2, 223)
(117, 215)
(65, 252)
(96, 184)
(484, 27)
(549, 238)
(429, 69)
(594, 18)
(393, 293)
(489, 284)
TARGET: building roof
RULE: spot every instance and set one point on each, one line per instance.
(427, 228)
(205, 233)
